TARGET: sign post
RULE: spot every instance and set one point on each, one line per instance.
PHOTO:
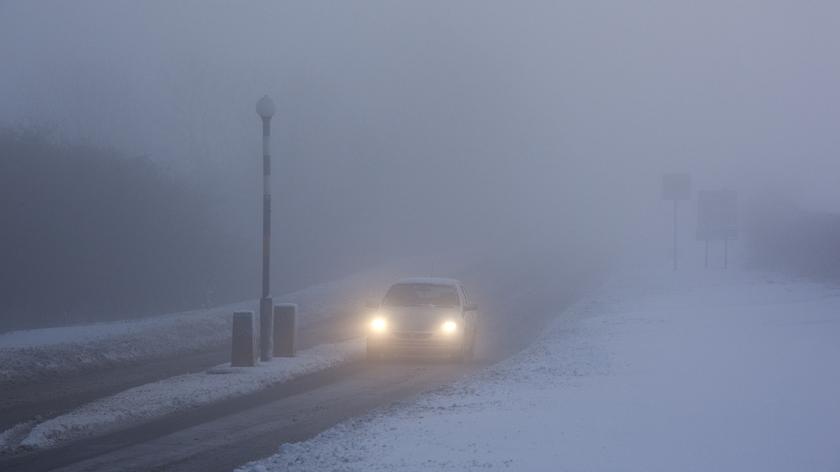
(676, 187)
(717, 219)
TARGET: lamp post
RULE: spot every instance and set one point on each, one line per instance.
(265, 108)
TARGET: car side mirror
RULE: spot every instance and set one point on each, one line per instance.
(371, 305)
(470, 307)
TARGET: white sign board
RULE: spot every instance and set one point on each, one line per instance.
(717, 215)
(676, 187)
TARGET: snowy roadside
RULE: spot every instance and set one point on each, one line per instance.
(157, 399)
(33, 354)
(658, 371)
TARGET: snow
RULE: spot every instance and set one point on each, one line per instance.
(175, 394)
(34, 354)
(693, 371)
(14, 435)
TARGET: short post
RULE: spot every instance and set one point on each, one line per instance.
(243, 342)
(285, 329)
(266, 330)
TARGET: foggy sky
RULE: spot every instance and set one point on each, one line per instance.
(405, 125)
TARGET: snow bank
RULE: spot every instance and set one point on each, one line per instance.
(659, 371)
(174, 394)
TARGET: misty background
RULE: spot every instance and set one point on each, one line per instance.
(130, 166)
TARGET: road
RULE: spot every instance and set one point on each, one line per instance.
(515, 306)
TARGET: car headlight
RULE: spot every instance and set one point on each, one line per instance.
(449, 327)
(378, 324)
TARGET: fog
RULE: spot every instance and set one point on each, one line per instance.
(436, 126)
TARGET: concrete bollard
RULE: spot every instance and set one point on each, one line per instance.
(285, 329)
(266, 330)
(243, 342)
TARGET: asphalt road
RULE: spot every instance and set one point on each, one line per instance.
(516, 303)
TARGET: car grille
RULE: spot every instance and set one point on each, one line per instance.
(414, 335)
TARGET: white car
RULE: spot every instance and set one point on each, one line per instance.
(425, 316)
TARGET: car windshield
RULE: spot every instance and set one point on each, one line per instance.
(421, 295)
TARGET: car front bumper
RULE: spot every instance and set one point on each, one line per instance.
(416, 343)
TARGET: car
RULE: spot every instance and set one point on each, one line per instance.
(423, 316)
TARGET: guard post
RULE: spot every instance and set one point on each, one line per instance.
(243, 341)
(285, 329)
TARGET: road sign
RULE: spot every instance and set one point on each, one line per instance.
(717, 215)
(676, 187)
(717, 219)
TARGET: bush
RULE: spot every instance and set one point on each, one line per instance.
(90, 235)
(783, 237)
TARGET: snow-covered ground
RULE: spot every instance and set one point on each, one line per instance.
(174, 394)
(33, 354)
(696, 371)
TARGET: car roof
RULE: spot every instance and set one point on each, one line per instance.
(429, 281)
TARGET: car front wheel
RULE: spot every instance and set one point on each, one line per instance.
(465, 353)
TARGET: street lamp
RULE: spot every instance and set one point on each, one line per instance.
(265, 108)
